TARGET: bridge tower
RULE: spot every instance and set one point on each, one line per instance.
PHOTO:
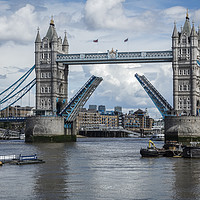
(186, 80)
(51, 77)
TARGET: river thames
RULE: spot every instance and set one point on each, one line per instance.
(97, 169)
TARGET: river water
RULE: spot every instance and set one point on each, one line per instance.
(97, 169)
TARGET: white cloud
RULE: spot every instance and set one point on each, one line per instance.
(175, 13)
(110, 14)
(18, 26)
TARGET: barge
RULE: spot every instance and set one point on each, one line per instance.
(171, 149)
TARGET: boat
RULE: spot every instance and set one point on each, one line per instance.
(158, 137)
(191, 152)
(21, 160)
(151, 151)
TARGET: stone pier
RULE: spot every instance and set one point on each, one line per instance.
(47, 129)
(184, 129)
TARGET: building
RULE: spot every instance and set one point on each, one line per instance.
(102, 109)
(186, 52)
(109, 121)
(131, 122)
(118, 109)
(93, 119)
(51, 77)
(138, 120)
(93, 107)
(88, 119)
(17, 111)
(144, 120)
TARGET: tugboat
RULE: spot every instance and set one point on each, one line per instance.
(151, 151)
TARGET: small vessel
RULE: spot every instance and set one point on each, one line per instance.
(151, 151)
(21, 160)
(191, 152)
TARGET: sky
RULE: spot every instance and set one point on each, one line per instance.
(148, 25)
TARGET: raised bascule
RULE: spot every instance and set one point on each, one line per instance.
(55, 115)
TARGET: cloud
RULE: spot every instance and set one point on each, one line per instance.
(109, 14)
(175, 13)
(19, 26)
(3, 76)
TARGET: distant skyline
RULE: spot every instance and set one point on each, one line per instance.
(148, 25)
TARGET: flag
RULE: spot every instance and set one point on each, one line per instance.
(95, 40)
(126, 40)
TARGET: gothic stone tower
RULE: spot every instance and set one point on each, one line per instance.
(186, 72)
(184, 127)
(51, 77)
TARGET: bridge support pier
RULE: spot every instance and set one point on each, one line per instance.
(183, 129)
(47, 129)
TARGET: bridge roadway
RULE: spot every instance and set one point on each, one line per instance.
(112, 57)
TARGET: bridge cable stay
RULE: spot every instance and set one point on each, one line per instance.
(70, 111)
(18, 95)
(160, 102)
(15, 85)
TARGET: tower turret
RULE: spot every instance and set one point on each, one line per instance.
(65, 46)
(37, 64)
(175, 39)
(193, 64)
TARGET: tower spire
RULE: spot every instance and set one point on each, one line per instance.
(175, 32)
(38, 39)
(52, 21)
(187, 15)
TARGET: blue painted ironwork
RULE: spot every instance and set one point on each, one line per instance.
(160, 102)
(18, 95)
(70, 111)
(12, 119)
(115, 57)
(16, 84)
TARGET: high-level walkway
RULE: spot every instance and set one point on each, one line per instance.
(112, 57)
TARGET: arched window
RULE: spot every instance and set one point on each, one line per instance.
(42, 89)
(184, 40)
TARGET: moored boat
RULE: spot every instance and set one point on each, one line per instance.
(151, 151)
(191, 152)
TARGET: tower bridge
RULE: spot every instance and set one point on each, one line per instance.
(52, 61)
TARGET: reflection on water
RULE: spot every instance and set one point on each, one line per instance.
(97, 168)
(187, 176)
(51, 177)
